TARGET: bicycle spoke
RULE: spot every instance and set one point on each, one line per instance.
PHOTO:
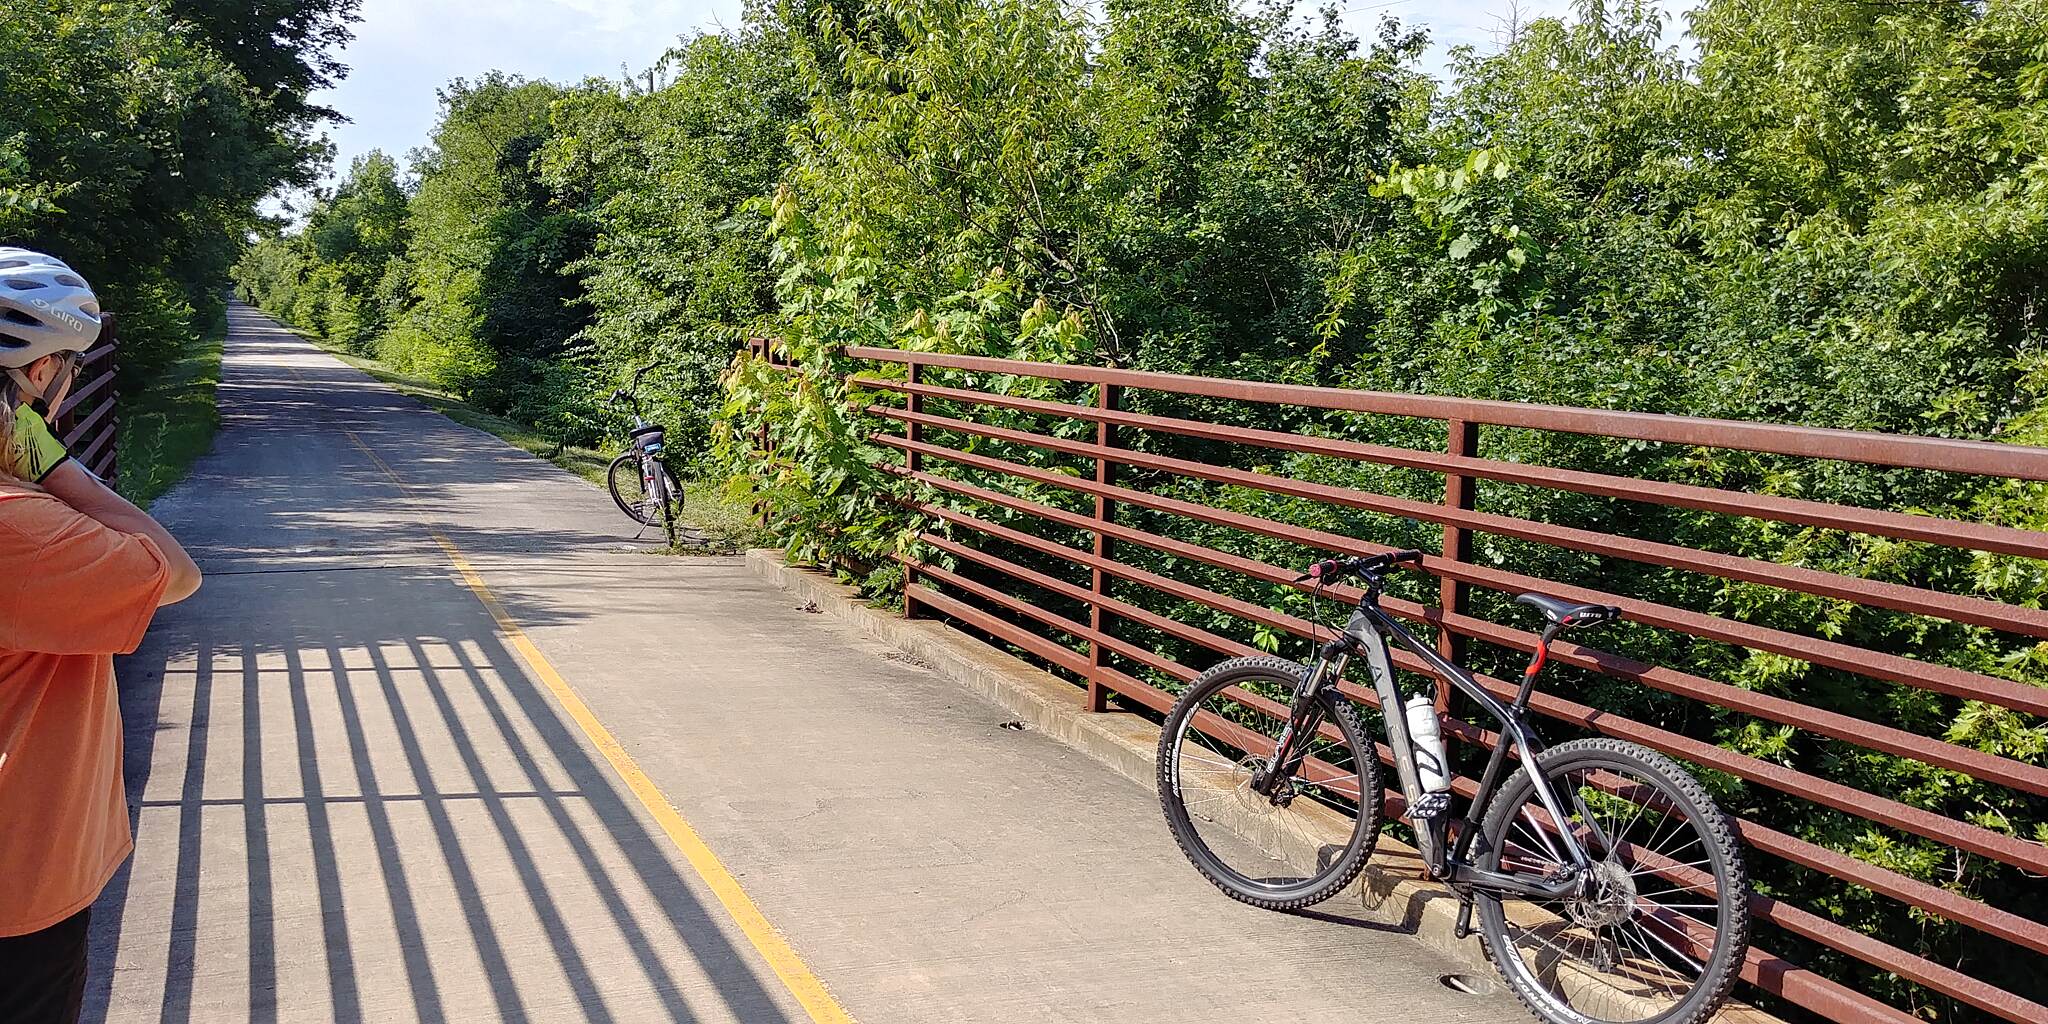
(1675, 951)
(1542, 834)
(1659, 870)
(1650, 955)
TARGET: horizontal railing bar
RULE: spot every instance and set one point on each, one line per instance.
(95, 354)
(1142, 616)
(1952, 533)
(1128, 686)
(1058, 654)
(1056, 621)
(84, 394)
(1828, 933)
(1934, 899)
(1052, 619)
(91, 453)
(1897, 597)
(84, 427)
(1984, 458)
(1893, 668)
(2007, 849)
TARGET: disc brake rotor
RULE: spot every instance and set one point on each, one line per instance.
(1613, 894)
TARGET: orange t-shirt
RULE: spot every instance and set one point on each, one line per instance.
(72, 595)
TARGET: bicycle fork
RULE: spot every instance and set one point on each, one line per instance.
(1304, 720)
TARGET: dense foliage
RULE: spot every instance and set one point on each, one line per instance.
(1835, 213)
(551, 239)
(136, 139)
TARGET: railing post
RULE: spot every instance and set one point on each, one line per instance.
(111, 462)
(1459, 493)
(1105, 471)
(913, 402)
(762, 443)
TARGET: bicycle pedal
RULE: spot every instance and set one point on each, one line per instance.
(1431, 807)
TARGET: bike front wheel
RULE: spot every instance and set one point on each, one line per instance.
(1662, 927)
(649, 503)
(1280, 850)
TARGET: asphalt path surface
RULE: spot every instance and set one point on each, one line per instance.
(357, 797)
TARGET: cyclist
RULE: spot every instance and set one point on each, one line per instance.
(81, 573)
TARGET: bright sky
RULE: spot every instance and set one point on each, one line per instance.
(406, 49)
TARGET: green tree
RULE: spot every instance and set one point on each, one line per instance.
(493, 309)
(665, 173)
(138, 150)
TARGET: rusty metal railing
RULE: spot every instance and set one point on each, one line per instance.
(1096, 655)
(87, 422)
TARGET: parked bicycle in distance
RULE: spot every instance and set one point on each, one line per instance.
(639, 478)
(1609, 886)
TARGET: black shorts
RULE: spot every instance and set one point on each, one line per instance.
(42, 974)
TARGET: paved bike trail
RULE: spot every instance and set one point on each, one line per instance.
(358, 798)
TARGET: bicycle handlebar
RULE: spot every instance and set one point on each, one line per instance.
(1332, 569)
(629, 393)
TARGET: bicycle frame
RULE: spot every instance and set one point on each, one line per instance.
(1366, 634)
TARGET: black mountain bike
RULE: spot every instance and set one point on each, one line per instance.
(639, 478)
(1608, 884)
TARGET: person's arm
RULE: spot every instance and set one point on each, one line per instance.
(73, 485)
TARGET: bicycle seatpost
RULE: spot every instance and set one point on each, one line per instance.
(1536, 663)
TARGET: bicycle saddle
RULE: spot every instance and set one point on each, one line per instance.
(1567, 613)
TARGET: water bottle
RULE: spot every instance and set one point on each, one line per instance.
(1428, 739)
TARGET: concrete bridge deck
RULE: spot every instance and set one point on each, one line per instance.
(440, 741)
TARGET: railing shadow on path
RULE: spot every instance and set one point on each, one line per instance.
(336, 722)
(431, 685)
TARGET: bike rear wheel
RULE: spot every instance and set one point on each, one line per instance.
(1280, 855)
(655, 505)
(1661, 935)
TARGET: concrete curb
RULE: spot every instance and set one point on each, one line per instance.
(1390, 890)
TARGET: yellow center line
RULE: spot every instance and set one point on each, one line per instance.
(810, 993)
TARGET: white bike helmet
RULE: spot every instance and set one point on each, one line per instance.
(45, 308)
